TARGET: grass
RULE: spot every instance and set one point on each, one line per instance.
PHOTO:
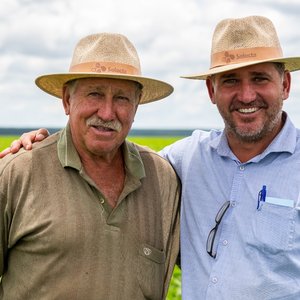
(5, 141)
(155, 143)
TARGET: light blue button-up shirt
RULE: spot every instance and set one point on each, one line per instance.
(258, 250)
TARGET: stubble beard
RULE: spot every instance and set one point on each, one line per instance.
(250, 135)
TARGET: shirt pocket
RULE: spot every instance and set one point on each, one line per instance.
(273, 228)
(151, 271)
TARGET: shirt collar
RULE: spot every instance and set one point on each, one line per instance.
(285, 141)
(68, 156)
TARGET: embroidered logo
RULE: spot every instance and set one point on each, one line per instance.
(99, 68)
(229, 57)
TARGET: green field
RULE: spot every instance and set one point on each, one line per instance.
(5, 141)
(156, 143)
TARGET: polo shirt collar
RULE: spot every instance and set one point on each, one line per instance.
(68, 156)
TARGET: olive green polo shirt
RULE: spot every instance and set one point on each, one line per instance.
(61, 240)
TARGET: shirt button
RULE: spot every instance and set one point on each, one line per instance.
(101, 200)
(233, 203)
(242, 168)
(147, 251)
(225, 242)
(214, 280)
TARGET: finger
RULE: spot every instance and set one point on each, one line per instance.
(5, 152)
(26, 140)
(41, 134)
(15, 146)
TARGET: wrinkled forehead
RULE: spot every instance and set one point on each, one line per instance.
(130, 87)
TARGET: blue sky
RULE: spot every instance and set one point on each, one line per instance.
(173, 38)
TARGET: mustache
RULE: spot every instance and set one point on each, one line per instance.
(98, 122)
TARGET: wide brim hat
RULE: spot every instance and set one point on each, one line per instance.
(105, 55)
(243, 42)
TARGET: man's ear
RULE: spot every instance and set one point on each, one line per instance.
(286, 85)
(138, 100)
(66, 99)
(210, 90)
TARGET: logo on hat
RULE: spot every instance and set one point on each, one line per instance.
(105, 55)
(228, 57)
(98, 68)
(243, 42)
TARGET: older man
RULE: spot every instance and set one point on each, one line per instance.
(87, 214)
(240, 214)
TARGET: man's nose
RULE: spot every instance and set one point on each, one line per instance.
(106, 109)
(247, 92)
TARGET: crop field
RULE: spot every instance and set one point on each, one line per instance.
(5, 141)
(155, 143)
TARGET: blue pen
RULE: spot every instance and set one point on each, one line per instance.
(262, 196)
(263, 193)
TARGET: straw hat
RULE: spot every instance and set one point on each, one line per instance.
(105, 55)
(243, 42)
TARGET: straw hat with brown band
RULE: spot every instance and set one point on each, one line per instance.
(243, 42)
(105, 55)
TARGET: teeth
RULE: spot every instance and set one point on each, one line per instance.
(103, 128)
(248, 110)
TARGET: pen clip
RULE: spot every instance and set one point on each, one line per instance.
(261, 196)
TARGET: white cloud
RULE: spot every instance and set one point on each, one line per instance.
(173, 38)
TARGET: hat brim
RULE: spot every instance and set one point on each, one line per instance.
(291, 64)
(153, 89)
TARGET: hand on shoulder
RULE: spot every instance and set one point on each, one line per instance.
(26, 140)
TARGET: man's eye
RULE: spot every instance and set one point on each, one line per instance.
(94, 94)
(260, 79)
(230, 81)
(122, 98)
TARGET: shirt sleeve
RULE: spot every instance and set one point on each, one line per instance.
(174, 154)
(173, 245)
(3, 228)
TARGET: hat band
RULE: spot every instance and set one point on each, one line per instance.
(105, 67)
(237, 56)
